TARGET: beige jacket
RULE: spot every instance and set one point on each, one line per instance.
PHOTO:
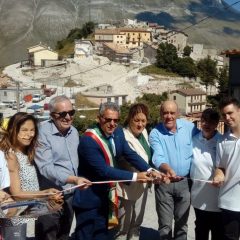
(134, 190)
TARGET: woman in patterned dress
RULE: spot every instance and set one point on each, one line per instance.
(18, 144)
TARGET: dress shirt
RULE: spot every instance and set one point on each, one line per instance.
(174, 149)
(228, 152)
(113, 150)
(56, 156)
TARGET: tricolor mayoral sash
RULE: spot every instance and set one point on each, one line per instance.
(103, 143)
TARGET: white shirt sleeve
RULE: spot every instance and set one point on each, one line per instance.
(4, 173)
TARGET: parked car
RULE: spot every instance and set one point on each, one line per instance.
(43, 96)
(21, 105)
(45, 115)
(36, 98)
(9, 103)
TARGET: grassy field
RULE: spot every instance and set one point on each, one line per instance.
(67, 50)
(152, 69)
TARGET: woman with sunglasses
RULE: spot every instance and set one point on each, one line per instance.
(134, 195)
(19, 143)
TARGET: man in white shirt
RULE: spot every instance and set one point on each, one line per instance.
(228, 172)
(204, 196)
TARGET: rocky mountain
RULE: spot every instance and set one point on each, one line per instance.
(25, 23)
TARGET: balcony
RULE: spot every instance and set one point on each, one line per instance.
(196, 102)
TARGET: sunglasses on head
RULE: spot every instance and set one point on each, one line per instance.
(64, 114)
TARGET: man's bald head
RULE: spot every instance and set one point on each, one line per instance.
(167, 104)
(169, 114)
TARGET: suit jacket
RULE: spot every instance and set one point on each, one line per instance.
(92, 165)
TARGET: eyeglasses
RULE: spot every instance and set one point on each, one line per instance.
(64, 114)
(116, 120)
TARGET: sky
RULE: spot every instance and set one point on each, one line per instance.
(236, 6)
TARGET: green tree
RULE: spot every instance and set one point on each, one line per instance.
(223, 80)
(187, 51)
(75, 33)
(59, 45)
(167, 57)
(87, 29)
(207, 71)
(186, 67)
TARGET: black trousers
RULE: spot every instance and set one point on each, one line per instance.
(207, 222)
(231, 222)
(56, 226)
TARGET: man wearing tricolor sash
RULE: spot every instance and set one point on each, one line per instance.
(99, 150)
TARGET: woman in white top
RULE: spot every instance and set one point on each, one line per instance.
(18, 143)
(204, 196)
(134, 195)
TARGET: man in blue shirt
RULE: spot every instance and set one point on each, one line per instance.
(171, 142)
(57, 160)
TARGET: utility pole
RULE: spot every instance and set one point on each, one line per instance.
(18, 96)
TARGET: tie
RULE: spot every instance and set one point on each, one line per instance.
(112, 145)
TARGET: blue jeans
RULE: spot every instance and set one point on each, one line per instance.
(173, 203)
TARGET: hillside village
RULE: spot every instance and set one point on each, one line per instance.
(106, 68)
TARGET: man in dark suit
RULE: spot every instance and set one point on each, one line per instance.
(99, 151)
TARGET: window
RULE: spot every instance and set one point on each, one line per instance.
(5, 93)
(108, 99)
(124, 99)
(116, 100)
(174, 97)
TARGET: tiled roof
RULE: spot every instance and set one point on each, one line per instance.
(118, 31)
(116, 48)
(115, 31)
(231, 52)
(190, 91)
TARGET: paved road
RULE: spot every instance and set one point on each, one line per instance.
(149, 226)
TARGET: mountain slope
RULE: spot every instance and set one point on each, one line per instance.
(25, 23)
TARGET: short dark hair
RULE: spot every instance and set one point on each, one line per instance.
(227, 101)
(134, 110)
(210, 115)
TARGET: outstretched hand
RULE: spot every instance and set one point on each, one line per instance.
(143, 177)
(83, 182)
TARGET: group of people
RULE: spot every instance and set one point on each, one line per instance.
(187, 166)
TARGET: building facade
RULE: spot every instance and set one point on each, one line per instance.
(83, 48)
(39, 53)
(190, 100)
